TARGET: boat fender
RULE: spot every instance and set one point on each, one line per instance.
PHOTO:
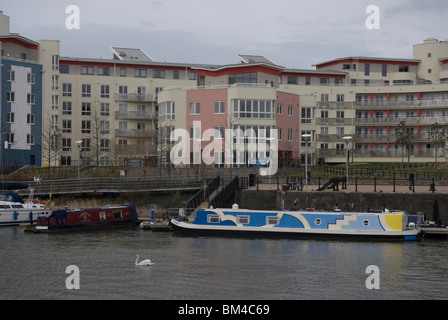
(31, 216)
(15, 214)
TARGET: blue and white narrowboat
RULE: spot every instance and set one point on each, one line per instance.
(299, 224)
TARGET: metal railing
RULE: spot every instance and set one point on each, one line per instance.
(116, 185)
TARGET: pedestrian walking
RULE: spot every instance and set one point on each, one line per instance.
(308, 176)
(411, 180)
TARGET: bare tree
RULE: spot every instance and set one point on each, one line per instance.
(403, 138)
(51, 141)
(437, 136)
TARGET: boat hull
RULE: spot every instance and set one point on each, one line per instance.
(88, 219)
(14, 217)
(186, 228)
(299, 225)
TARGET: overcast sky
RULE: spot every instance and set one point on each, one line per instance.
(292, 33)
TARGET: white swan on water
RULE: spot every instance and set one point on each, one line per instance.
(145, 262)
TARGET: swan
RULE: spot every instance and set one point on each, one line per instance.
(145, 262)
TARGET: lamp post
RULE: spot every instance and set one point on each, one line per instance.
(347, 140)
(306, 135)
(79, 142)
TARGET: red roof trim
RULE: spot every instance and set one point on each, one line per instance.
(238, 70)
(20, 43)
(315, 75)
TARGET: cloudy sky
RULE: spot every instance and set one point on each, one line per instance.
(292, 33)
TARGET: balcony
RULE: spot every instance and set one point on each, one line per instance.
(412, 104)
(136, 115)
(136, 97)
(396, 120)
(135, 133)
(334, 121)
(133, 149)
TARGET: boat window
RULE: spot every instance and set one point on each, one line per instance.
(213, 218)
(366, 223)
(16, 206)
(117, 215)
(243, 219)
(318, 222)
(102, 215)
(271, 220)
(5, 206)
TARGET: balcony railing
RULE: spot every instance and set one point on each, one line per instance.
(136, 115)
(135, 133)
(138, 97)
(397, 120)
(417, 104)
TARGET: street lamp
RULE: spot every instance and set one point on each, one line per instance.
(347, 140)
(79, 142)
(306, 135)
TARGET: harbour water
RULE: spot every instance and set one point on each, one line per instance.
(33, 266)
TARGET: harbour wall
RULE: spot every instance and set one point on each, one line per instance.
(434, 205)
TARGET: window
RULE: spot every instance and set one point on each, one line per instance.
(293, 80)
(158, 74)
(195, 133)
(10, 117)
(290, 134)
(85, 109)
(271, 220)
(195, 108)
(367, 69)
(140, 73)
(243, 78)
(103, 71)
(10, 96)
(307, 115)
(10, 137)
(30, 118)
(66, 89)
(31, 78)
(104, 145)
(219, 107)
(176, 74)
(118, 214)
(86, 70)
(30, 98)
(30, 138)
(10, 75)
(85, 126)
(66, 107)
(104, 91)
(290, 110)
(122, 72)
(66, 126)
(104, 109)
(66, 144)
(307, 81)
(212, 218)
(255, 109)
(279, 109)
(193, 75)
(324, 81)
(219, 132)
(86, 91)
(384, 70)
(403, 68)
(242, 219)
(55, 82)
(65, 69)
(55, 102)
(102, 215)
(104, 127)
(55, 62)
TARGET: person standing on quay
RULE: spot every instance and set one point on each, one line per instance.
(411, 180)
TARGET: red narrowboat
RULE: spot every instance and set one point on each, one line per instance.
(90, 218)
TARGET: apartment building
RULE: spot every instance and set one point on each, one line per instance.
(125, 108)
(367, 98)
(242, 104)
(21, 100)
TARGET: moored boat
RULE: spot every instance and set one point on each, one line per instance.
(89, 218)
(14, 210)
(300, 224)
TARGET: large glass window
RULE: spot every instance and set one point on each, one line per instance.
(255, 109)
(243, 78)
